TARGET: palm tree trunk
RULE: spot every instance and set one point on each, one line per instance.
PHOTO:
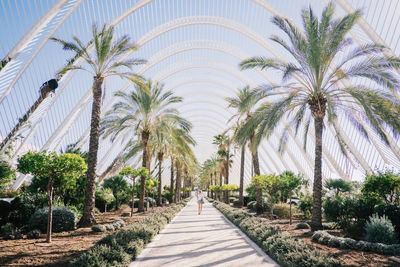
(242, 158)
(178, 184)
(172, 180)
(145, 139)
(45, 90)
(256, 165)
(50, 211)
(88, 206)
(133, 195)
(160, 159)
(227, 175)
(316, 221)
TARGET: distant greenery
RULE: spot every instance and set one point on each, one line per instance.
(119, 187)
(338, 186)
(6, 174)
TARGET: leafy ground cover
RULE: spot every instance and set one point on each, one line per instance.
(343, 256)
(66, 246)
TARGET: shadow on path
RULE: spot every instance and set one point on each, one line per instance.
(201, 240)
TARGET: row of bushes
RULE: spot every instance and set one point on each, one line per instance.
(115, 225)
(64, 219)
(122, 247)
(323, 237)
(283, 248)
(352, 213)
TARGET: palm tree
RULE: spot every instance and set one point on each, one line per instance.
(244, 102)
(137, 114)
(316, 85)
(106, 61)
(165, 135)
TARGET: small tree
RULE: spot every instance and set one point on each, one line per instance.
(338, 186)
(106, 195)
(382, 186)
(119, 187)
(132, 175)
(288, 183)
(6, 174)
(271, 185)
(52, 167)
(150, 186)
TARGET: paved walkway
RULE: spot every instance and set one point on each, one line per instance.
(201, 240)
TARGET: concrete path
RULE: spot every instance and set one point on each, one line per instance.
(208, 239)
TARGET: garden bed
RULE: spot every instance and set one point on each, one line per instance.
(65, 246)
(345, 256)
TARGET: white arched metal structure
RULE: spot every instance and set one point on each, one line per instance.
(173, 35)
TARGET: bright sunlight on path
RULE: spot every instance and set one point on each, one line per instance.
(201, 240)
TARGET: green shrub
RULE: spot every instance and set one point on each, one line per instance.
(380, 230)
(349, 212)
(330, 226)
(127, 242)
(325, 238)
(110, 227)
(289, 251)
(99, 228)
(64, 219)
(9, 231)
(34, 234)
(102, 256)
(151, 201)
(303, 226)
(252, 205)
(24, 206)
(232, 199)
(118, 223)
(392, 211)
(5, 208)
(282, 210)
(305, 204)
(286, 250)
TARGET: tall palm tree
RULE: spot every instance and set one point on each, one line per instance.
(316, 85)
(164, 137)
(244, 102)
(137, 114)
(183, 157)
(107, 61)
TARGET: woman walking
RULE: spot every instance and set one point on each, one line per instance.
(200, 201)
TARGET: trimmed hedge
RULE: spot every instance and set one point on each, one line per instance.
(323, 237)
(283, 248)
(123, 246)
(64, 219)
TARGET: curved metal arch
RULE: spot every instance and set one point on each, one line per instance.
(259, 2)
(217, 24)
(266, 45)
(352, 148)
(264, 74)
(218, 106)
(375, 38)
(67, 123)
(227, 23)
(283, 162)
(53, 12)
(64, 81)
(262, 145)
